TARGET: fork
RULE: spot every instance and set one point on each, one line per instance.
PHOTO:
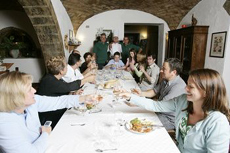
(77, 124)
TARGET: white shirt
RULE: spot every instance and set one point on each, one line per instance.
(118, 64)
(153, 71)
(116, 47)
(20, 133)
(72, 75)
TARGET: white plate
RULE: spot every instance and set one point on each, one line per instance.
(128, 127)
(95, 110)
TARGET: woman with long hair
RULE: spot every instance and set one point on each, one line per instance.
(202, 115)
(141, 62)
(131, 59)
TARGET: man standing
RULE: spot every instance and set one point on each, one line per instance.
(170, 87)
(114, 46)
(126, 46)
(100, 49)
(151, 74)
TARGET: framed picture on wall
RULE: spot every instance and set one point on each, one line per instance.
(218, 44)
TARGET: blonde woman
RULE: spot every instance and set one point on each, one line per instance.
(20, 128)
(202, 115)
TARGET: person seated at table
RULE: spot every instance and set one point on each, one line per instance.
(150, 74)
(73, 73)
(202, 115)
(126, 46)
(170, 87)
(116, 62)
(20, 128)
(114, 46)
(75, 51)
(53, 85)
(141, 61)
(89, 63)
(131, 59)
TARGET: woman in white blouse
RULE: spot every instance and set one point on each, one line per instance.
(20, 128)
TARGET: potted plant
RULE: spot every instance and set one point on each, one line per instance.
(11, 46)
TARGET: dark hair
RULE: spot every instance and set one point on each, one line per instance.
(135, 55)
(152, 55)
(74, 58)
(103, 34)
(126, 37)
(212, 84)
(87, 54)
(117, 53)
(175, 64)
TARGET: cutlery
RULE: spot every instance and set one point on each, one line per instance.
(100, 150)
(95, 111)
(77, 124)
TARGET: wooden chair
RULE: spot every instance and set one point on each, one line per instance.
(172, 134)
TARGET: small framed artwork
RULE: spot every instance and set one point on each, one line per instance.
(218, 44)
(107, 32)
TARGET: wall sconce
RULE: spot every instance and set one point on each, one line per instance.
(81, 37)
(144, 35)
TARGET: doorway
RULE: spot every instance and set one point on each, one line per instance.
(144, 36)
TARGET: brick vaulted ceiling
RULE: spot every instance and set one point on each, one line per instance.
(172, 11)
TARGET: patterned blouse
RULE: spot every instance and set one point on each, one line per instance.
(184, 128)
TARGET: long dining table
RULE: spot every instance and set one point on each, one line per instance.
(106, 130)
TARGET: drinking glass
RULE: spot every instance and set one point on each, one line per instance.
(98, 134)
(119, 123)
(82, 108)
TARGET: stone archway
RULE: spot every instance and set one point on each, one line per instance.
(44, 21)
(172, 11)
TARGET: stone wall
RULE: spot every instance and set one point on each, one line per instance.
(172, 11)
(44, 21)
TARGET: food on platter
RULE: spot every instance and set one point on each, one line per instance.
(90, 106)
(109, 84)
(141, 125)
(100, 86)
(116, 91)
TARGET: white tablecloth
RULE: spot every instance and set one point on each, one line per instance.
(102, 127)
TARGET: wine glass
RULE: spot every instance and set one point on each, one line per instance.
(118, 116)
(82, 108)
(98, 134)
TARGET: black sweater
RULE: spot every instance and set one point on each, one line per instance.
(51, 86)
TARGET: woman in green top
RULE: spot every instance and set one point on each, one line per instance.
(141, 62)
(202, 115)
